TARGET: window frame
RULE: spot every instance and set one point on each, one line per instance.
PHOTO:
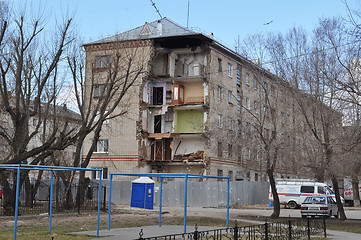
(219, 65)
(220, 121)
(219, 149)
(255, 83)
(219, 93)
(229, 70)
(248, 103)
(230, 150)
(99, 143)
(100, 64)
(99, 90)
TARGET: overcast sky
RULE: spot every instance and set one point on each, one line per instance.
(227, 19)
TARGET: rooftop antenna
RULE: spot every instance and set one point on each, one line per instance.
(156, 9)
(188, 15)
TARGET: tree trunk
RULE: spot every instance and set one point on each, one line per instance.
(83, 184)
(338, 199)
(28, 192)
(8, 195)
(276, 199)
(355, 191)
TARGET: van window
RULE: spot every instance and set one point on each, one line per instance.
(321, 190)
(307, 189)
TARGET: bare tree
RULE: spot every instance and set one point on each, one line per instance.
(29, 87)
(102, 94)
(314, 76)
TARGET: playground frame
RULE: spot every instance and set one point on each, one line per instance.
(168, 175)
(20, 167)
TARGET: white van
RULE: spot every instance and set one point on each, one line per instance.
(294, 192)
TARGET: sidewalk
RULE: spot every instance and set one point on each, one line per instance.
(235, 214)
(148, 231)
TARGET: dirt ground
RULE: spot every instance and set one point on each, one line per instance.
(123, 216)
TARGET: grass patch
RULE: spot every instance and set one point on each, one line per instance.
(353, 226)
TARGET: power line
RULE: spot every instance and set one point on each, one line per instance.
(156, 9)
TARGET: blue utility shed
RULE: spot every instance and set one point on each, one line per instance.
(142, 193)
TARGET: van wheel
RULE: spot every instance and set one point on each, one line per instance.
(337, 215)
(292, 205)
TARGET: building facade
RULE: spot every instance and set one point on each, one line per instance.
(193, 108)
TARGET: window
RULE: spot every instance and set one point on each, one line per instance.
(158, 124)
(229, 150)
(255, 83)
(256, 177)
(220, 174)
(178, 95)
(248, 103)
(229, 96)
(185, 68)
(219, 93)
(101, 146)
(99, 90)
(255, 105)
(247, 79)
(265, 86)
(230, 175)
(230, 123)
(219, 149)
(157, 96)
(219, 65)
(105, 120)
(220, 121)
(238, 76)
(102, 62)
(321, 190)
(35, 122)
(229, 70)
(96, 174)
(307, 189)
(105, 173)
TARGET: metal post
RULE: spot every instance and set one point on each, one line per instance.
(160, 201)
(110, 199)
(78, 203)
(289, 230)
(185, 203)
(17, 202)
(324, 226)
(308, 229)
(266, 230)
(235, 231)
(51, 200)
(228, 202)
(99, 199)
(196, 235)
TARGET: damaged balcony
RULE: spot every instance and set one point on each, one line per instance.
(180, 63)
(177, 136)
(177, 152)
(189, 119)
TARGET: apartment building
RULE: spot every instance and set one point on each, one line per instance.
(190, 109)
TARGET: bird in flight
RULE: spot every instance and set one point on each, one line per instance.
(268, 23)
